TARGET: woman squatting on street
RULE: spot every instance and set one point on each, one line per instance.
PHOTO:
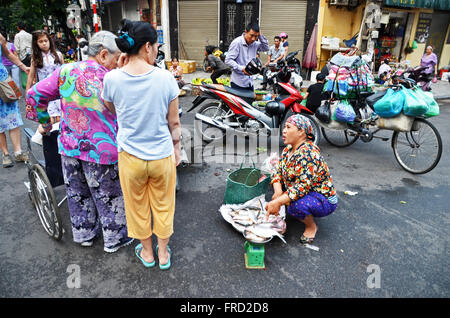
(145, 99)
(87, 143)
(302, 181)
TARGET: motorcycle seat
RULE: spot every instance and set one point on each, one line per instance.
(244, 93)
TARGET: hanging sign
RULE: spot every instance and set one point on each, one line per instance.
(423, 27)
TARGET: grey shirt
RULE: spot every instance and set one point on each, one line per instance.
(274, 53)
(216, 63)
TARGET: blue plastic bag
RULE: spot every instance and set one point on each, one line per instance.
(345, 112)
(391, 104)
(414, 105)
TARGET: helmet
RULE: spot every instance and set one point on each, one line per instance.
(254, 66)
(283, 35)
(284, 75)
(274, 108)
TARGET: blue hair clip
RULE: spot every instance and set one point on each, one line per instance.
(128, 38)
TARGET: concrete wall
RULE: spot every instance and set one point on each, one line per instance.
(335, 21)
(445, 54)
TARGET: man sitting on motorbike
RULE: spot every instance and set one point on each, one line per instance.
(216, 65)
(276, 53)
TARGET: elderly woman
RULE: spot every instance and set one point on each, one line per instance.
(302, 181)
(87, 143)
(430, 61)
(146, 101)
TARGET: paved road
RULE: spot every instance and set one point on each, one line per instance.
(407, 242)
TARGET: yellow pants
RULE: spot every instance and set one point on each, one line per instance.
(148, 190)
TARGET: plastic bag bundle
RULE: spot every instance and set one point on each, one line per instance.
(345, 112)
(414, 105)
(427, 97)
(348, 76)
(391, 104)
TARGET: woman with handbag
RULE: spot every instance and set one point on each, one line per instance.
(302, 180)
(10, 118)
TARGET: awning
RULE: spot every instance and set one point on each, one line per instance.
(427, 4)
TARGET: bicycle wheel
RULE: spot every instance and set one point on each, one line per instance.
(44, 201)
(419, 150)
(339, 138)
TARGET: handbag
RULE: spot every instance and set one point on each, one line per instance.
(245, 184)
(9, 92)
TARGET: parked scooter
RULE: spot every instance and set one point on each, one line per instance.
(292, 63)
(160, 60)
(417, 74)
(230, 109)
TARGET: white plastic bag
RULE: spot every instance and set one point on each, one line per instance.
(270, 165)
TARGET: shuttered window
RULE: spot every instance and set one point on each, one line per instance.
(287, 16)
(198, 25)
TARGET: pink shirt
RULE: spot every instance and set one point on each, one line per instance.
(88, 130)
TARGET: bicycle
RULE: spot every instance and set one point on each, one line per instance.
(416, 143)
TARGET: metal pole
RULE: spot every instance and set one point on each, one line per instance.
(94, 9)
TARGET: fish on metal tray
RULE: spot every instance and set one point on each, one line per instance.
(254, 238)
(265, 232)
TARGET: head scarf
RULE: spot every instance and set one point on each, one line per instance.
(301, 122)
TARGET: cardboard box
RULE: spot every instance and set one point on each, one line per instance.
(188, 66)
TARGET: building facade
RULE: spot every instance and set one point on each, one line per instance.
(187, 26)
(403, 29)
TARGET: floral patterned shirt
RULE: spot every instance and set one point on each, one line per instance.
(87, 129)
(304, 172)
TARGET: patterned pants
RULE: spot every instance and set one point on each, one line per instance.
(314, 204)
(95, 200)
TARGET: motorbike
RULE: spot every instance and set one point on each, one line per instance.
(418, 75)
(160, 60)
(231, 109)
(292, 64)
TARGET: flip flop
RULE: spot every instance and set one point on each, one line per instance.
(168, 264)
(306, 240)
(138, 250)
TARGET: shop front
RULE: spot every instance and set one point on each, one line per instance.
(427, 24)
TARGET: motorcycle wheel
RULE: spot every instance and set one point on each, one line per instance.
(208, 132)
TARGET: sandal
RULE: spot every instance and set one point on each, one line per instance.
(168, 264)
(306, 240)
(138, 251)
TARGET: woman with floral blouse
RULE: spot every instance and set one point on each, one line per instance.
(87, 143)
(302, 181)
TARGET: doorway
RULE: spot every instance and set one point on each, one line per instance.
(235, 15)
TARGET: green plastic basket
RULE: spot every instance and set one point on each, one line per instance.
(243, 185)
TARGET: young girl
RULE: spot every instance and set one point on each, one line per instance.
(177, 72)
(45, 60)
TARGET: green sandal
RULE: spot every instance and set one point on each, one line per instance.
(138, 250)
(168, 264)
